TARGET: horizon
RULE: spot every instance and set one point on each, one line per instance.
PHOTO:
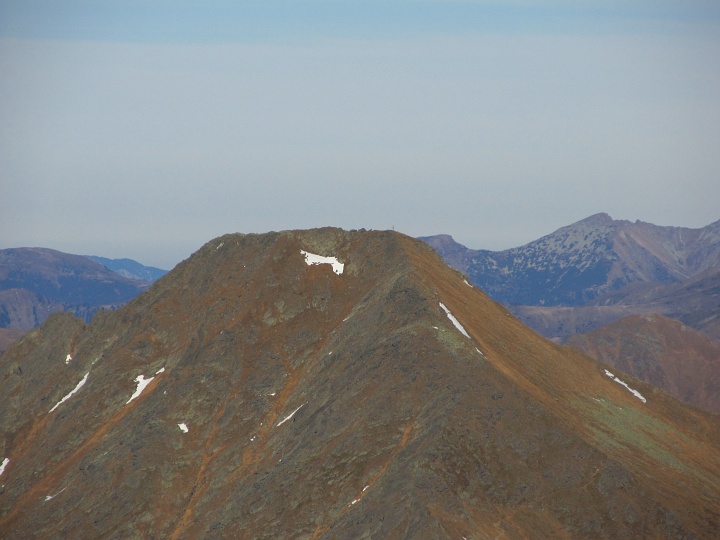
(143, 130)
(209, 240)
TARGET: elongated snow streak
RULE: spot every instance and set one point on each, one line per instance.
(3, 465)
(79, 385)
(51, 497)
(454, 320)
(183, 427)
(68, 358)
(633, 392)
(466, 282)
(289, 416)
(142, 383)
(311, 258)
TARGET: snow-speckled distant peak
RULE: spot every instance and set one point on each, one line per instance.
(311, 258)
(454, 320)
(583, 261)
(79, 385)
(579, 245)
(632, 391)
(142, 382)
(3, 465)
(183, 427)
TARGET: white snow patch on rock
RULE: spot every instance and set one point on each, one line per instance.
(454, 320)
(288, 417)
(3, 465)
(183, 427)
(51, 497)
(633, 392)
(142, 382)
(79, 385)
(311, 258)
(68, 358)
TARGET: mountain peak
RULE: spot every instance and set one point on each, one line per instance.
(261, 390)
(599, 219)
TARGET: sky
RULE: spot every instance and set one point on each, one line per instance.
(144, 129)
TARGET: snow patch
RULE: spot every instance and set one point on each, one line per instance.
(311, 258)
(159, 371)
(633, 392)
(289, 416)
(465, 281)
(454, 320)
(51, 497)
(183, 427)
(68, 358)
(3, 465)
(79, 385)
(142, 382)
(221, 244)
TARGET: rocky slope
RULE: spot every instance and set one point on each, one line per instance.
(251, 394)
(661, 351)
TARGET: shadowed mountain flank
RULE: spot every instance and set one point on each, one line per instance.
(35, 282)
(130, 268)
(335, 384)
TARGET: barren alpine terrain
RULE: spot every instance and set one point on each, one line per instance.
(336, 384)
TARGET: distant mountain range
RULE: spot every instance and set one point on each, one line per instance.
(607, 268)
(35, 282)
(130, 269)
(335, 384)
(695, 302)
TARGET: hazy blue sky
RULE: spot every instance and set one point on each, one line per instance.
(143, 129)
